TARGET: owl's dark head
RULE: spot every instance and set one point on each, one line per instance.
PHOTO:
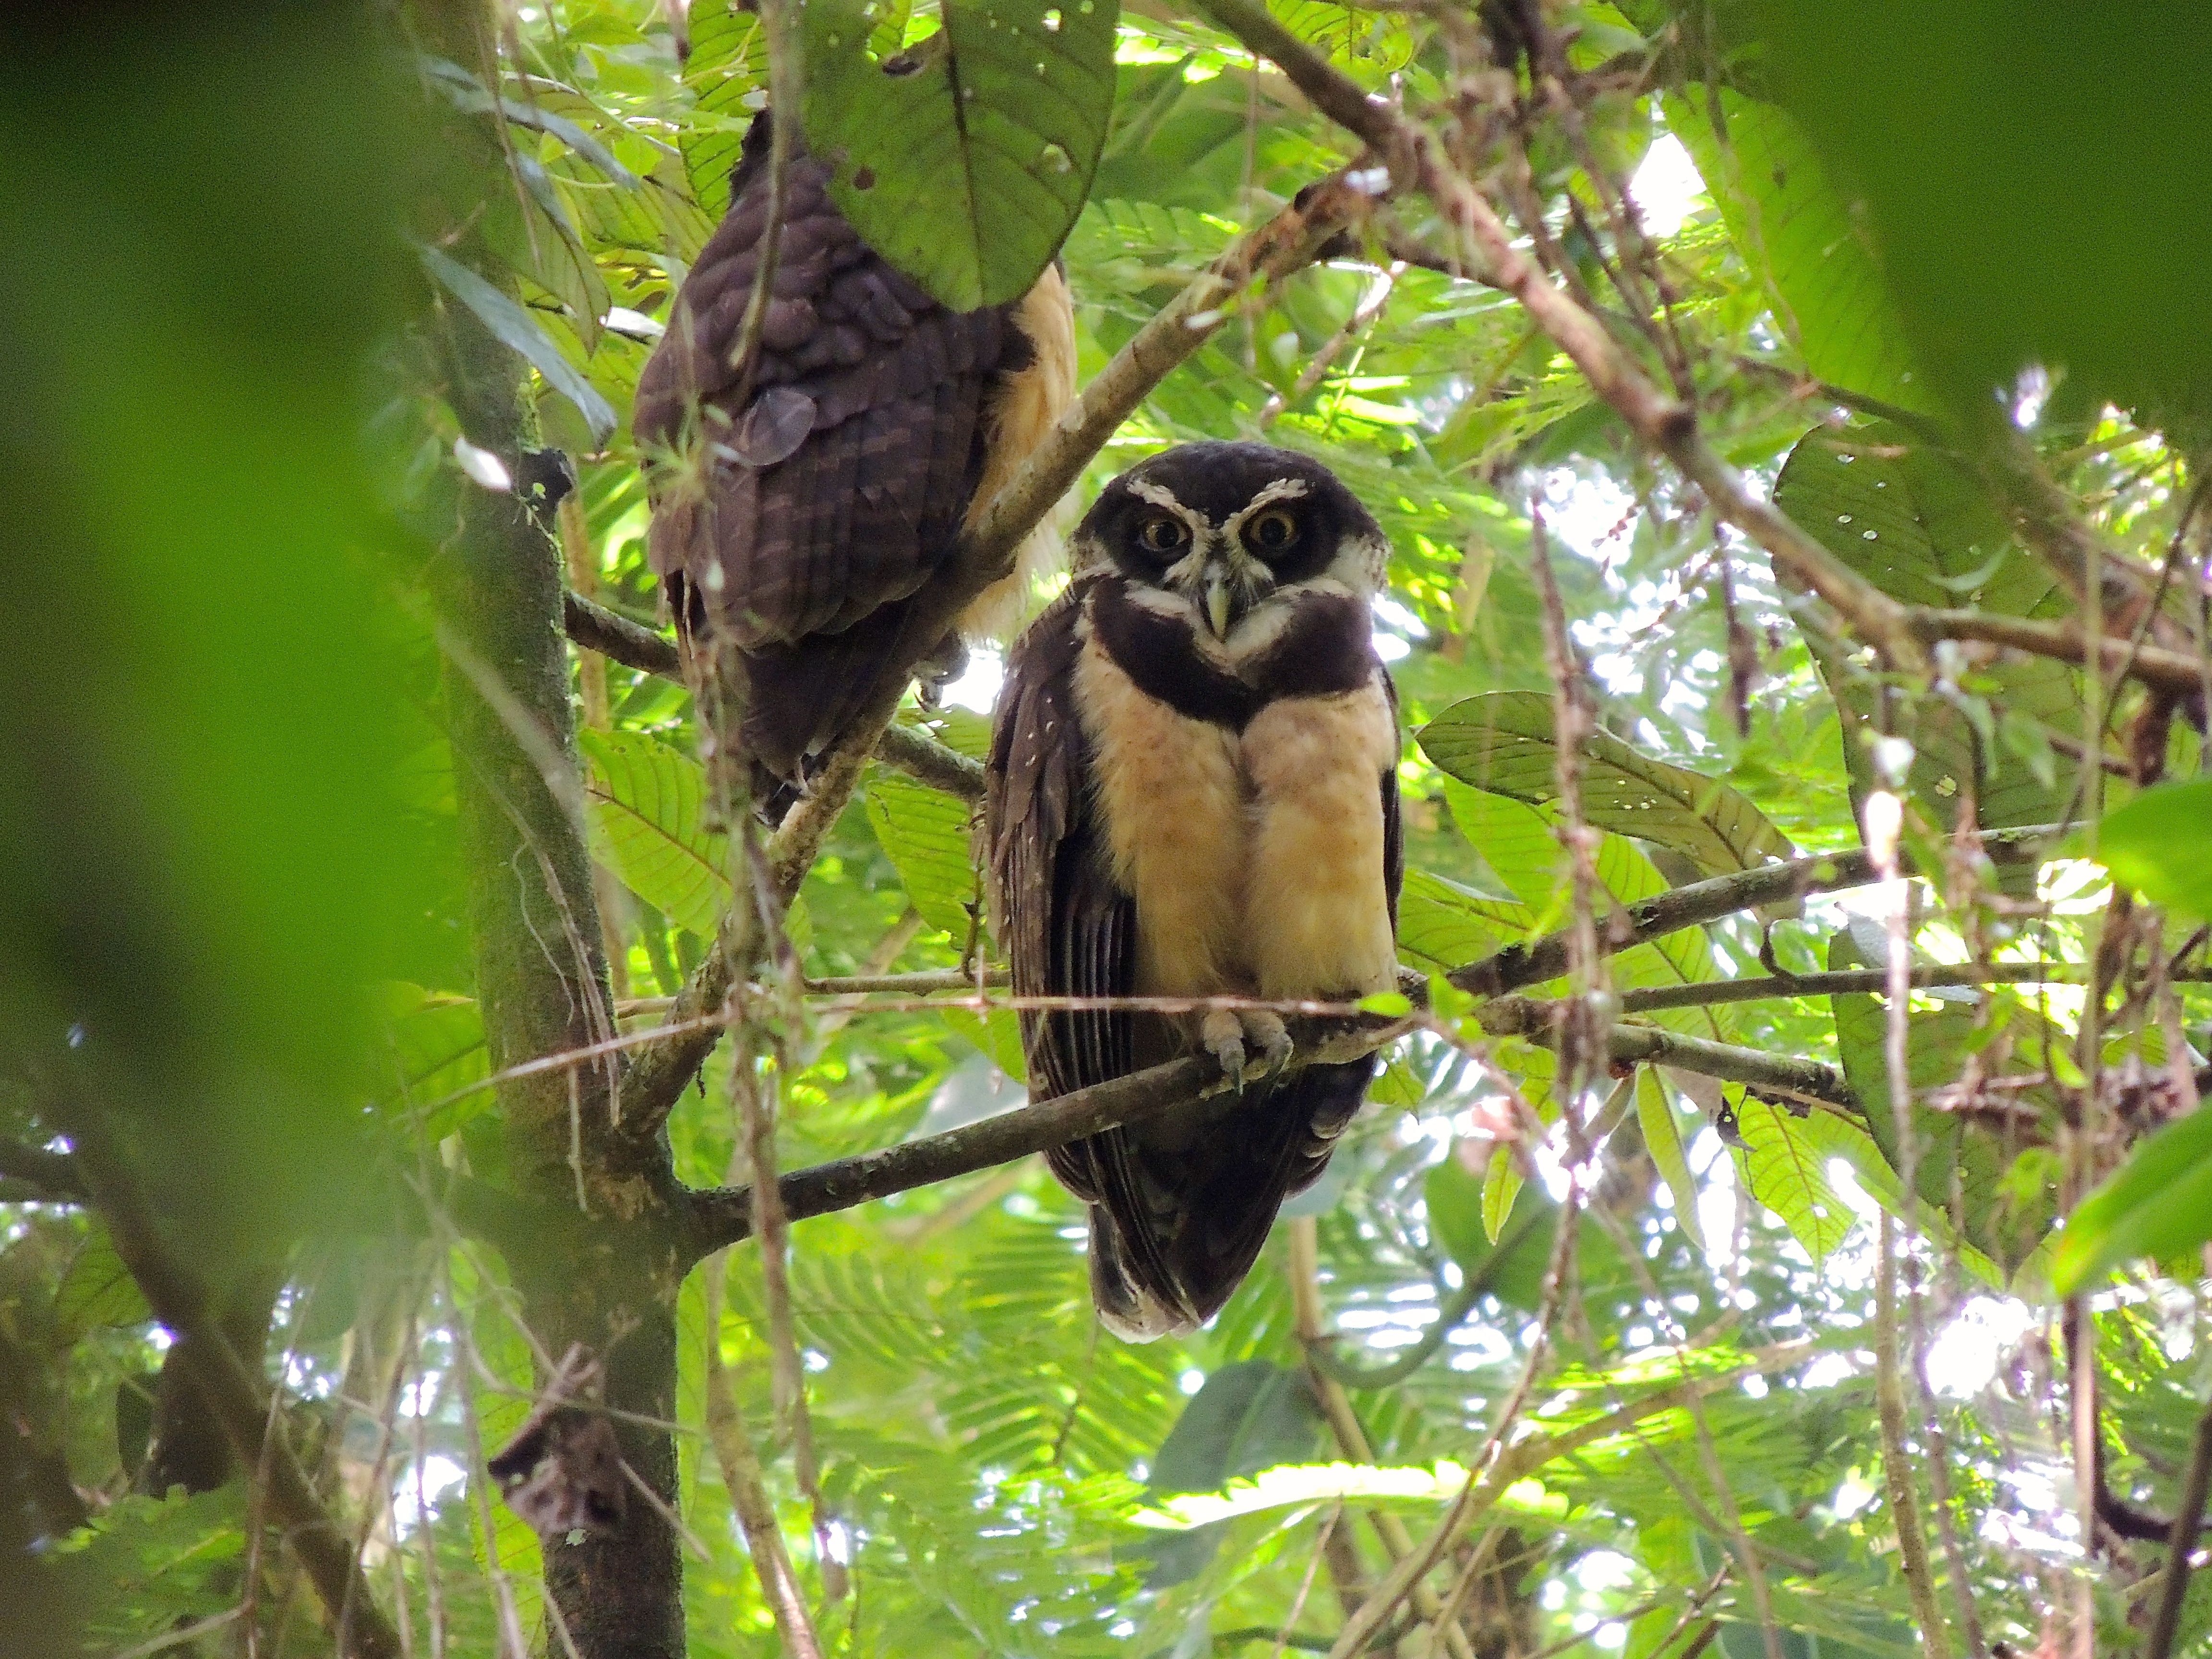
(1228, 527)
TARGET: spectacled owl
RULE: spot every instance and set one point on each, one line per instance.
(799, 512)
(1191, 791)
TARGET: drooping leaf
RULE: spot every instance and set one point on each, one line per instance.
(964, 158)
(2158, 1204)
(1504, 743)
(2003, 1218)
(1796, 229)
(1911, 523)
(1245, 1418)
(516, 328)
(648, 810)
(98, 1290)
(929, 837)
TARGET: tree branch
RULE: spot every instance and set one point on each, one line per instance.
(1629, 1045)
(54, 1174)
(2178, 671)
(723, 1215)
(634, 645)
(1708, 900)
(1849, 982)
(1658, 420)
(234, 1395)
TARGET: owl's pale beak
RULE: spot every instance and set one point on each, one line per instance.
(1218, 600)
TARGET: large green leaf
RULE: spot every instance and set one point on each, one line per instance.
(929, 837)
(1797, 231)
(2157, 1204)
(648, 812)
(2005, 1213)
(964, 158)
(727, 74)
(1912, 523)
(1246, 1418)
(2155, 844)
(1504, 743)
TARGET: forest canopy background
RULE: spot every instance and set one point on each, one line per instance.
(1843, 372)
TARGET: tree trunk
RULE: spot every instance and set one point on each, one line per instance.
(541, 968)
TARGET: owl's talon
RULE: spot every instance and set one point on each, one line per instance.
(1273, 1038)
(1223, 1034)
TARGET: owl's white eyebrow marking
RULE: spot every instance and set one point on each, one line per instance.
(1283, 489)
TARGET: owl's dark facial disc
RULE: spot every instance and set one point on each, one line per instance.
(1226, 524)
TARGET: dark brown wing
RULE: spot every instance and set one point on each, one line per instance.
(1067, 927)
(838, 486)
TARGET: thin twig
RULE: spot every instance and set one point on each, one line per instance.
(1658, 420)
(1896, 1462)
(2188, 1517)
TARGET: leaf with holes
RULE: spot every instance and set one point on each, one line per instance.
(964, 158)
(1912, 523)
(648, 806)
(1504, 743)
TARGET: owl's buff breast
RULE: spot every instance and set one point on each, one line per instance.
(1255, 859)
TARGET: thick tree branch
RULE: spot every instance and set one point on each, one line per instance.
(616, 637)
(1659, 421)
(53, 1175)
(634, 645)
(235, 1396)
(724, 1215)
(1808, 1079)
(2182, 673)
(1708, 900)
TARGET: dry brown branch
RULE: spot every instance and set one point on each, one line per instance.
(1659, 421)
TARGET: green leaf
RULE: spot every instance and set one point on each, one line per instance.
(2001, 1221)
(1662, 1139)
(436, 1044)
(1247, 1417)
(98, 1290)
(1784, 1163)
(727, 74)
(928, 835)
(1504, 743)
(1458, 1222)
(1796, 230)
(964, 158)
(2155, 844)
(1913, 524)
(514, 327)
(648, 812)
(1445, 925)
(2157, 1204)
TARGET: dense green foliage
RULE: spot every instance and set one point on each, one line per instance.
(233, 927)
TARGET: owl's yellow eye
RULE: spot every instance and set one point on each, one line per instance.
(1162, 533)
(1272, 531)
